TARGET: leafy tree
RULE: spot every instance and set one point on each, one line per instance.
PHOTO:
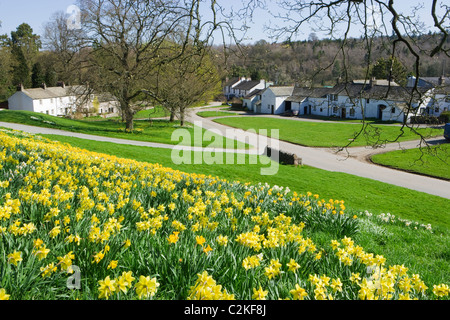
(37, 75)
(390, 68)
(24, 46)
(20, 69)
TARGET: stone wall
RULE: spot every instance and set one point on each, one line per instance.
(283, 157)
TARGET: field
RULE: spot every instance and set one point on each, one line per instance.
(134, 230)
(159, 131)
(331, 134)
(434, 162)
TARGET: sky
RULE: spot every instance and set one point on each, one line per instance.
(37, 12)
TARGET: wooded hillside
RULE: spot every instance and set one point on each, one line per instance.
(287, 63)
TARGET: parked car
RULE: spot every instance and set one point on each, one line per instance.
(447, 131)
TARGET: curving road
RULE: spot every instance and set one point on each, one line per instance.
(354, 162)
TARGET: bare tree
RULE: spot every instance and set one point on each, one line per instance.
(128, 40)
(65, 45)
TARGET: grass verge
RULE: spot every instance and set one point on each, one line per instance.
(323, 134)
(432, 162)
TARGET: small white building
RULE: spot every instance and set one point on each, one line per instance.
(60, 101)
(273, 100)
(438, 93)
(252, 99)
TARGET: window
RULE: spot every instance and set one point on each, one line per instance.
(333, 97)
(367, 100)
(335, 109)
(321, 109)
(393, 110)
(40, 102)
(352, 112)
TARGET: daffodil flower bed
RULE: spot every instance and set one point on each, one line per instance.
(134, 230)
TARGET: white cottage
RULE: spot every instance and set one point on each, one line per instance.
(438, 93)
(59, 101)
(273, 100)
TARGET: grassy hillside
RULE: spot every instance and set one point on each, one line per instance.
(144, 231)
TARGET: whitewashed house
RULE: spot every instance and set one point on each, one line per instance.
(228, 86)
(273, 100)
(60, 101)
(252, 99)
(246, 87)
(438, 93)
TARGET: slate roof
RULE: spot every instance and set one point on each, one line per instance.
(231, 82)
(378, 92)
(253, 93)
(246, 85)
(282, 91)
(52, 92)
(60, 92)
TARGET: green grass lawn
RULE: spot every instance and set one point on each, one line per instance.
(434, 162)
(421, 251)
(323, 134)
(211, 114)
(159, 131)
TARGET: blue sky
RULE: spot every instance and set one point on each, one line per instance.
(38, 12)
(34, 12)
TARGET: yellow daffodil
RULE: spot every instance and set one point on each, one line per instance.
(3, 295)
(298, 293)
(259, 294)
(15, 257)
(106, 288)
(146, 287)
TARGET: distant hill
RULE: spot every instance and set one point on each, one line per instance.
(288, 63)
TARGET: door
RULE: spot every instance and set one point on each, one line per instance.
(305, 110)
(288, 106)
(380, 111)
(344, 113)
(272, 111)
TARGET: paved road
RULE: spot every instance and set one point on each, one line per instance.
(320, 158)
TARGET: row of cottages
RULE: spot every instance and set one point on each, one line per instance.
(61, 100)
(379, 99)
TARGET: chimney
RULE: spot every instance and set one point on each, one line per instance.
(441, 80)
(61, 84)
(20, 87)
(373, 82)
(263, 82)
(43, 86)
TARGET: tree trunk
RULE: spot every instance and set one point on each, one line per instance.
(182, 118)
(172, 116)
(128, 115)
